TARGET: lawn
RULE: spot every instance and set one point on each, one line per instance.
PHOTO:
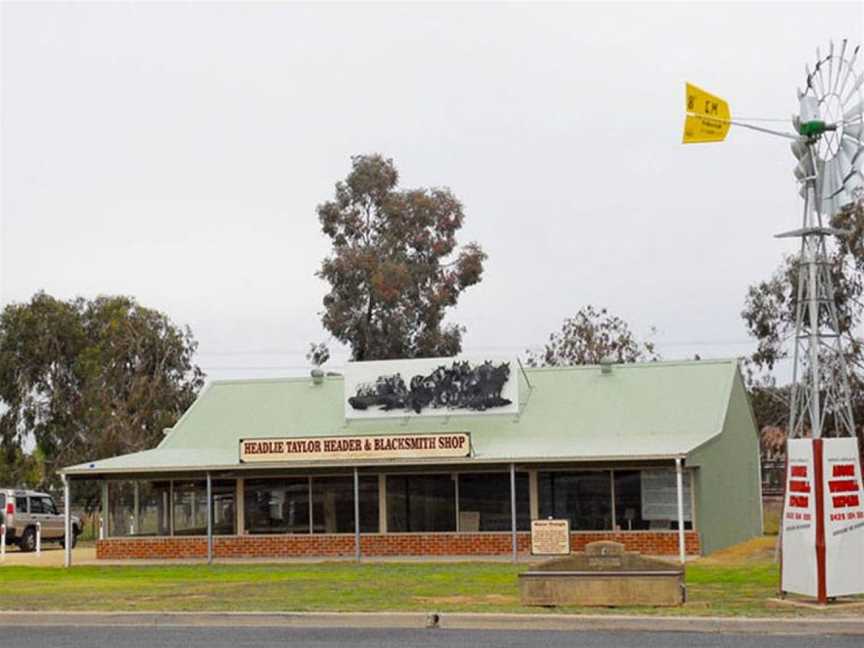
(739, 581)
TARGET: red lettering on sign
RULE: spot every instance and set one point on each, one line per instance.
(798, 471)
(845, 501)
(799, 501)
(843, 486)
(844, 470)
(799, 486)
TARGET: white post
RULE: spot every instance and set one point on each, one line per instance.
(101, 528)
(679, 483)
(2, 542)
(136, 507)
(67, 522)
(38, 538)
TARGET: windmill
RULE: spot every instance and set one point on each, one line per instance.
(824, 507)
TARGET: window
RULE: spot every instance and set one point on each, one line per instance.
(20, 504)
(276, 505)
(36, 505)
(48, 506)
(659, 498)
(484, 502)
(585, 498)
(154, 509)
(190, 507)
(421, 503)
(224, 507)
(628, 501)
(333, 504)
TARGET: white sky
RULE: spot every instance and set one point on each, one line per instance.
(177, 153)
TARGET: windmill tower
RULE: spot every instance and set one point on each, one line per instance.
(829, 151)
(823, 511)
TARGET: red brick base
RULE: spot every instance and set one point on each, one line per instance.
(658, 543)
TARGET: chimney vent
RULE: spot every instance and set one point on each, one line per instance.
(606, 365)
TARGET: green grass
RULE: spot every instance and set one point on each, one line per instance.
(739, 582)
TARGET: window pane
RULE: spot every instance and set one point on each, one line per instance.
(421, 503)
(48, 506)
(120, 499)
(628, 500)
(484, 502)
(333, 504)
(153, 508)
(190, 508)
(20, 504)
(659, 498)
(585, 498)
(36, 505)
(224, 507)
(276, 506)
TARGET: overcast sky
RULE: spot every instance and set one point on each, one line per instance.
(177, 153)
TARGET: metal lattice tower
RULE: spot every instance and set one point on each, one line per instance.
(819, 361)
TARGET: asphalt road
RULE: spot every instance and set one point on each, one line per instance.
(210, 637)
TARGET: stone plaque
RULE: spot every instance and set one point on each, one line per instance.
(550, 537)
(605, 555)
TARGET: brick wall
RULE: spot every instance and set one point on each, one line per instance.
(664, 543)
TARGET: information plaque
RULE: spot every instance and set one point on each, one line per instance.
(550, 537)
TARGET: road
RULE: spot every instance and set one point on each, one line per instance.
(223, 637)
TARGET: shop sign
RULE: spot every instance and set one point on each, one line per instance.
(346, 448)
(550, 537)
(823, 519)
(431, 387)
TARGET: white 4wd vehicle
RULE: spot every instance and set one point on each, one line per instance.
(20, 510)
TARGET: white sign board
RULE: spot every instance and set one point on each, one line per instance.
(824, 507)
(799, 520)
(660, 495)
(550, 537)
(431, 387)
(844, 517)
(347, 448)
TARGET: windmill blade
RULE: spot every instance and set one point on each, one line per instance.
(830, 65)
(826, 188)
(840, 197)
(850, 67)
(855, 113)
(818, 70)
(858, 81)
(855, 129)
(839, 66)
(850, 150)
(855, 184)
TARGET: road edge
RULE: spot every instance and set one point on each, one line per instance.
(444, 620)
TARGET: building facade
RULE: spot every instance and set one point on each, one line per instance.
(442, 457)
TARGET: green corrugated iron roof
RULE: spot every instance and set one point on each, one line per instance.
(638, 411)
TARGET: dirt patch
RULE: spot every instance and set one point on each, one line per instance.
(755, 550)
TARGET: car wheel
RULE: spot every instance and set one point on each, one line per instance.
(74, 538)
(28, 540)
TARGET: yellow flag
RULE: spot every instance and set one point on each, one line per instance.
(707, 117)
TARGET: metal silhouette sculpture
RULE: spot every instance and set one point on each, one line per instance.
(459, 386)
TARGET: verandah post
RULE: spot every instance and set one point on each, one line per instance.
(513, 507)
(209, 520)
(679, 484)
(356, 515)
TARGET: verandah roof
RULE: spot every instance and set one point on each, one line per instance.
(638, 411)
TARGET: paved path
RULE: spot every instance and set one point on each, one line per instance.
(201, 637)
